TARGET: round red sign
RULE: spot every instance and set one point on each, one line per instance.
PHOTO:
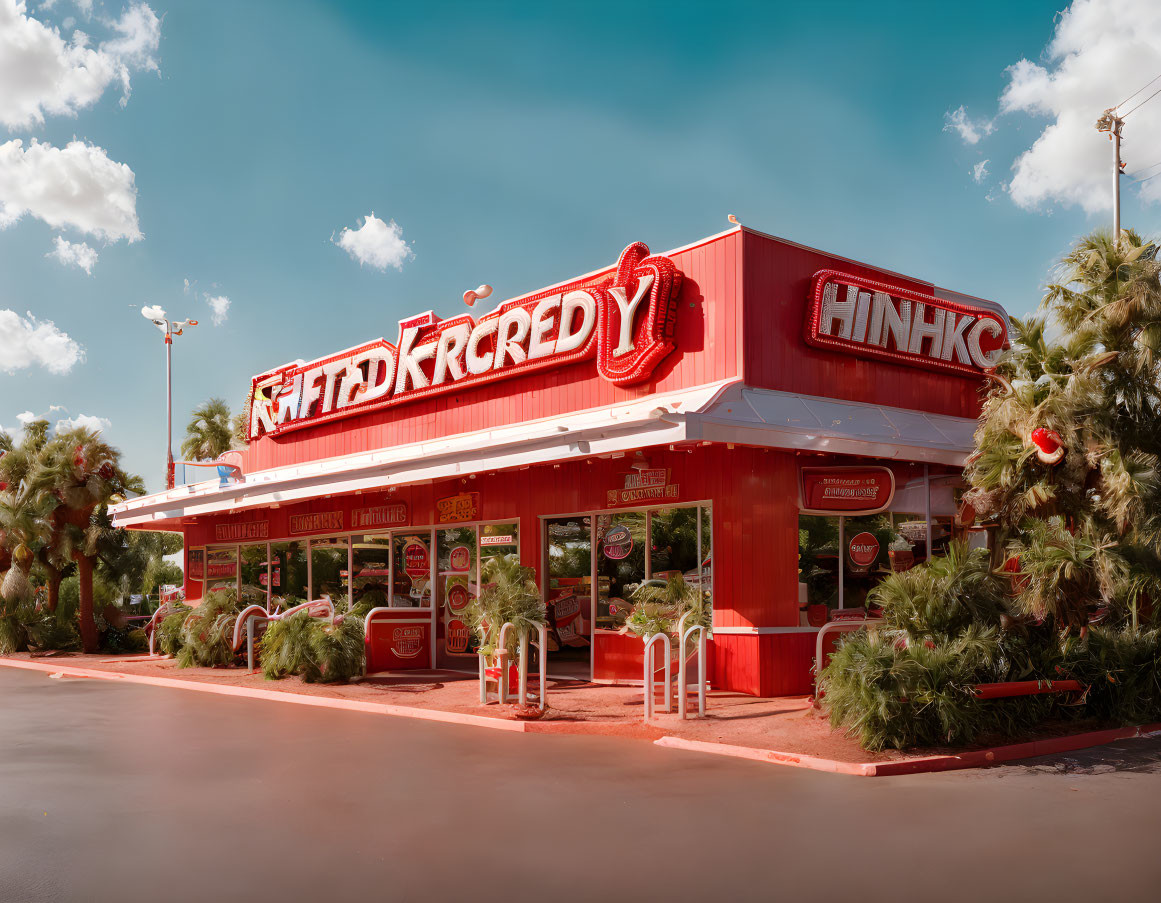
(864, 549)
(458, 598)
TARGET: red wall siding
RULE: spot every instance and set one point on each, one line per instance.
(776, 281)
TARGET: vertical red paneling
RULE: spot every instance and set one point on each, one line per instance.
(776, 277)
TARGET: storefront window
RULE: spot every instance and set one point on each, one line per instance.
(254, 574)
(372, 578)
(568, 595)
(288, 573)
(221, 569)
(621, 550)
(457, 585)
(411, 557)
(498, 543)
(818, 561)
(328, 570)
(865, 560)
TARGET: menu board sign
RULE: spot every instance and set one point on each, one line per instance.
(845, 490)
(393, 515)
(222, 563)
(465, 506)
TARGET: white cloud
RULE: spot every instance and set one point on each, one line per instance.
(980, 171)
(1101, 51)
(77, 185)
(154, 311)
(969, 130)
(220, 305)
(45, 74)
(77, 254)
(85, 421)
(26, 418)
(376, 243)
(31, 342)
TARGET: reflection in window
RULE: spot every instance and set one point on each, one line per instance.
(818, 564)
(328, 569)
(372, 577)
(221, 569)
(620, 564)
(254, 574)
(498, 542)
(287, 573)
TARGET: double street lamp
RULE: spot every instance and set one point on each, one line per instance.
(156, 316)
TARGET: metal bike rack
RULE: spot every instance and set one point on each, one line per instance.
(649, 683)
(504, 694)
(682, 683)
(839, 627)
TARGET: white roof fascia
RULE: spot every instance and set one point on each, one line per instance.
(582, 434)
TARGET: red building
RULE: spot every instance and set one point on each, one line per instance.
(758, 416)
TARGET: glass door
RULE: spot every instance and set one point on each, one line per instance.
(568, 593)
(456, 586)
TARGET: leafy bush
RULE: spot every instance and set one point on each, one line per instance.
(313, 648)
(207, 632)
(168, 639)
(659, 606)
(509, 594)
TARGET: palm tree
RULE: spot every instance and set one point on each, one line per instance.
(16, 463)
(210, 431)
(77, 475)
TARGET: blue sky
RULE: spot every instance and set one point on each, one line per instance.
(518, 144)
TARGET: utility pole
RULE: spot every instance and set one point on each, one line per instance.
(1112, 123)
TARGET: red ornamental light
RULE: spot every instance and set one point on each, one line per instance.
(1049, 445)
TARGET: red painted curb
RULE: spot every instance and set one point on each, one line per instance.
(351, 705)
(976, 758)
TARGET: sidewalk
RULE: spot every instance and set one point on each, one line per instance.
(785, 731)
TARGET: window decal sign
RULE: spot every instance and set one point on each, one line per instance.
(862, 551)
(625, 320)
(618, 543)
(886, 322)
(415, 560)
(845, 490)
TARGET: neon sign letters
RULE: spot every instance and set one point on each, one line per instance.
(876, 320)
(626, 321)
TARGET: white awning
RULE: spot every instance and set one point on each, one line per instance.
(749, 416)
(582, 434)
(719, 412)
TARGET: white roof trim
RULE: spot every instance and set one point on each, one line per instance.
(772, 419)
(581, 434)
(719, 412)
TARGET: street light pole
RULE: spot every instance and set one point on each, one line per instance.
(156, 316)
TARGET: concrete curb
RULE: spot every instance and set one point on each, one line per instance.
(976, 758)
(350, 705)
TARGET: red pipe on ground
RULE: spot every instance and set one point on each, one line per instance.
(1026, 688)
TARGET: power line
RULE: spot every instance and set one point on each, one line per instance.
(1135, 93)
(1137, 172)
(1143, 102)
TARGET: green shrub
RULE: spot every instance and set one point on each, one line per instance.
(207, 633)
(509, 594)
(168, 640)
(313, 649)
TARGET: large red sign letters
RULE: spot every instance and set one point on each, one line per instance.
(625, 321)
